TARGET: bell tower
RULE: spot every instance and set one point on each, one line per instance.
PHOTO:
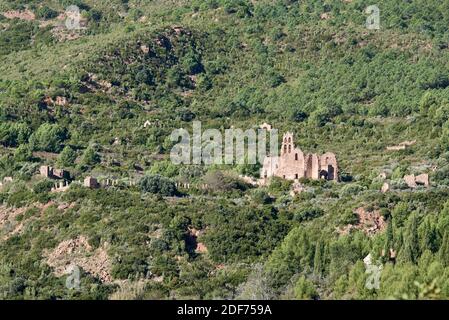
(287, 143)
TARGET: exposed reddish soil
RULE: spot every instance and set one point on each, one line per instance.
(22, 15)
(370, 222)
(80, 253)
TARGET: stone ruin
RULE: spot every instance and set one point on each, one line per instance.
(293, 164)
(96, 183)
(391, 254)
(414, 181)
(110, 182)
(60, 186)
(59, 101)
(90, 182)
(51, 173)
(183, 185)
(402, 146)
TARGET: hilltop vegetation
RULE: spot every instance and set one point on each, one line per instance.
(79, 100)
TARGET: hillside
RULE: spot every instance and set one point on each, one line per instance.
(101, 101)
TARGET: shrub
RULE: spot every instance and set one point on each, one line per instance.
(261, 196)
(43, 186)
(157, 184)
(218, 181)
(348, 217)
(46, 13)
(279, 185)
(164, 168)
(308, 214)
(351, 189)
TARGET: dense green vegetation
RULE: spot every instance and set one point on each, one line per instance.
(79, 100)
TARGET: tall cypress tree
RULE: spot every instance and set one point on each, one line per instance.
(389, 241)
(428, 237)
(318, 260)
(444, 250)
(411, 241)
(326, 258)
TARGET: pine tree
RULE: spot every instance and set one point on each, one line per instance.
(444, 250)
(90, 157)
(67, 157)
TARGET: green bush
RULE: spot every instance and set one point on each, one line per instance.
(48, 137)
(43, 186)
(348, 217)
(157, 184)
(261, 197)
(46, 13)
(308, 214)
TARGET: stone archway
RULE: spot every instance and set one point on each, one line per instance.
(329, 164)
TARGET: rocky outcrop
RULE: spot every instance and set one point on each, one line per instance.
(80, 253)
(370, 222)
(413, 181)
(385, 187)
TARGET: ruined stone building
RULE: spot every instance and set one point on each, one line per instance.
(51, 173)
(293, 164)
(90, 182)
